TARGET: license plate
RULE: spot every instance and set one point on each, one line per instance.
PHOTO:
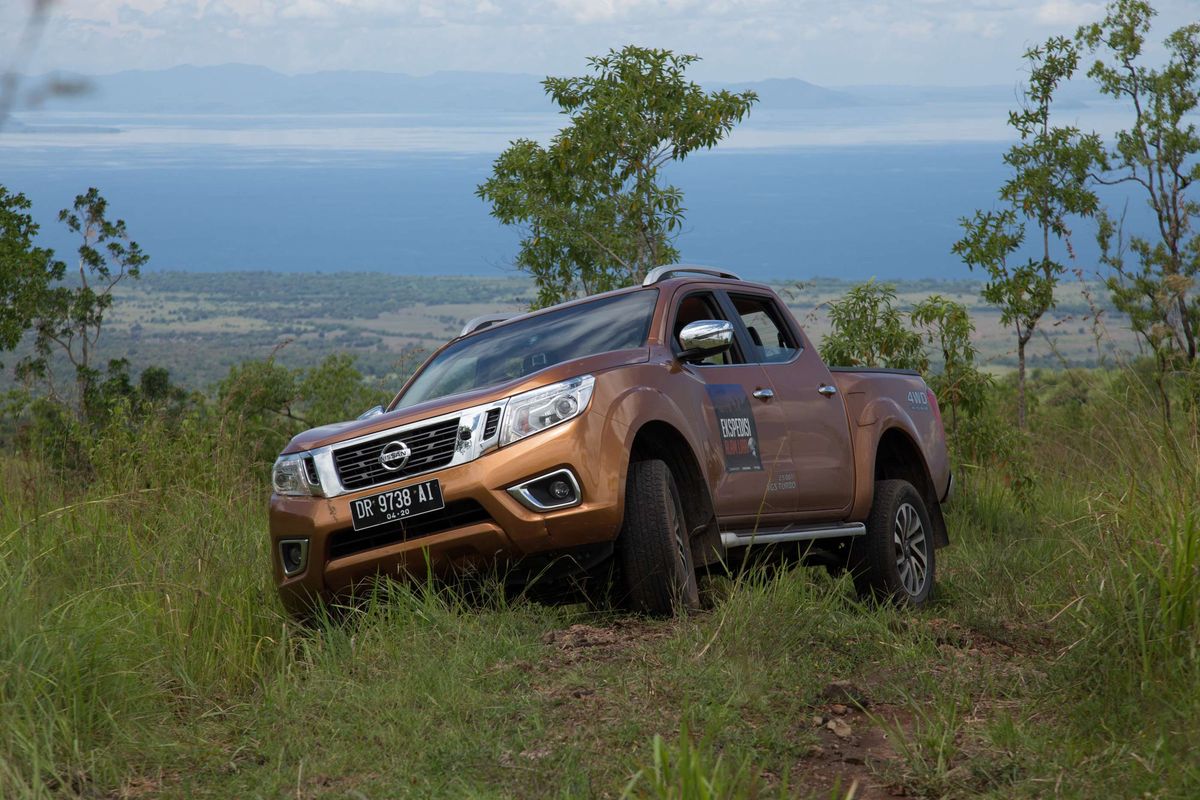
(396, 504)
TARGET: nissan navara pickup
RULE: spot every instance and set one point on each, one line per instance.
(632, 437)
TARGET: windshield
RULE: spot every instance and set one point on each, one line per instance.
(509, 351)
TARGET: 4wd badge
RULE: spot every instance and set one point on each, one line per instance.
(735, 424)
(918, 401)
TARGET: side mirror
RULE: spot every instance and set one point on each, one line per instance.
(373, 411)
(704, 338)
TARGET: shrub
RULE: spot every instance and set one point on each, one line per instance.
(869, 331)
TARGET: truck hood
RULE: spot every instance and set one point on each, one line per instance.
(341, 431)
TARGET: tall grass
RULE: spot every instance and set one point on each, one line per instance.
(139, 624)
(140, 596)
(1136, 526)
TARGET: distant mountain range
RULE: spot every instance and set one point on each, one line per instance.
(245, 89)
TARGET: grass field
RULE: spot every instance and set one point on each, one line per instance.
(143, 654)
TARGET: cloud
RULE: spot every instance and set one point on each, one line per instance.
(910, 18)
(976, 24)
(308, 9)
(919, 29)
(107, 11)
(1066, 12)
(587, 11)
(831, 41)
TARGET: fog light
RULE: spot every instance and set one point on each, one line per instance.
(559, 489)
(293, 555)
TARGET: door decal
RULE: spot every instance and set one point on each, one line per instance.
(735, 423)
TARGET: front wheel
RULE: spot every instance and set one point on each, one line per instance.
(654, 548)
(895, 559)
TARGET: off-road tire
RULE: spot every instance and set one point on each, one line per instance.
(887, 559)
(658, 574)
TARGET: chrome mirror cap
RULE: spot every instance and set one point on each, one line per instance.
(373, 411)
(704, 338)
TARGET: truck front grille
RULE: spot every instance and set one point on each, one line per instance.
(458, 514)
(359, 467)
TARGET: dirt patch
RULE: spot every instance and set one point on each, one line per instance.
(321, 785)
(853, 749)
(144, 786)
(582, 702)
(971, 652)
(580, 643)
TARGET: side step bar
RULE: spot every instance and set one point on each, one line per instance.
(790, 533)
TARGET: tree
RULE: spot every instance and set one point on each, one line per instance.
(69, 318)
(153, 391)
(335, 390)
(961, 388)
(25, 270)
(1050, 167)
(1158, 153)
(869, 331)
(596, 214)
(272, 403)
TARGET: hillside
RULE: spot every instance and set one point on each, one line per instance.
(200, 324)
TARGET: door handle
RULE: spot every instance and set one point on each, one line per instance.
(826, 389)
(763, 394)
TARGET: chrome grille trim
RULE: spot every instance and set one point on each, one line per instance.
(473, 419)
(493, 422)
(430, 447)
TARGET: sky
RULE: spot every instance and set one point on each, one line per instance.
(829, 42)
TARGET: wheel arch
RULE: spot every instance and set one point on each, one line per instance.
(897, 456)
(658, 439)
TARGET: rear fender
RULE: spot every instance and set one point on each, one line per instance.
(877, 418)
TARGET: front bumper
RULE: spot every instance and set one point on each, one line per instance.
(489, 526)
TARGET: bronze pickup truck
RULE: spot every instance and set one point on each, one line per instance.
(636, 435)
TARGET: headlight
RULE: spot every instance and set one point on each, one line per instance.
(545, 407)
(290, 475)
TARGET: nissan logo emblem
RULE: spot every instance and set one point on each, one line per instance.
(394, 456)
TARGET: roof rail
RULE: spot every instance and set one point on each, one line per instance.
(486, 321)
(670, 270)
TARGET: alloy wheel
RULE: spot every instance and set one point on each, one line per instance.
(912, 558)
